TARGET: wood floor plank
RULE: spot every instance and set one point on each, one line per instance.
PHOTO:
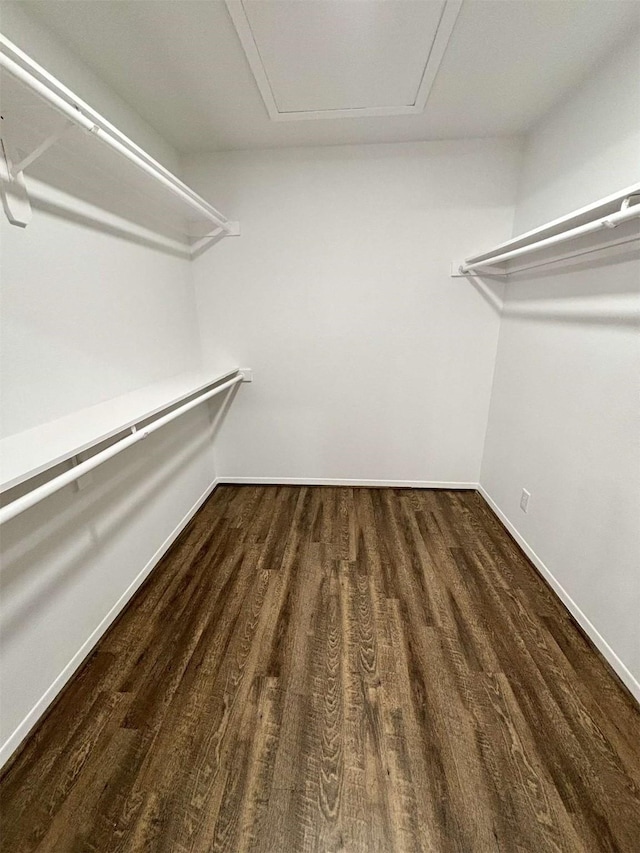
(311, 670)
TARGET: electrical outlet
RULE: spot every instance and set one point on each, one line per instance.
(524, 500)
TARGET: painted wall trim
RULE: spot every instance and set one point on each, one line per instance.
(35, 714)
(314, 481)
(587, 626)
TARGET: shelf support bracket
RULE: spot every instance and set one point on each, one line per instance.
(214, 237)
(15, 198)
(628, 201)
(40, 149)
(86, 479)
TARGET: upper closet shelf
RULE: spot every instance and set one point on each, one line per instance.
(61, 140)
(608, 222)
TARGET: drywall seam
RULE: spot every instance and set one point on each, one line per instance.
(313, 481)
(22, 730)
(587, 626)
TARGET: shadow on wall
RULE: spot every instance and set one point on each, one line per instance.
(114, 229)
(603, 290)
(491, 290)
(47, 199)
(69, 530)
(68, 543)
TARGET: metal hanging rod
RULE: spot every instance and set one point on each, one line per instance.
(627, 212)
(80, 114)
(20, 505)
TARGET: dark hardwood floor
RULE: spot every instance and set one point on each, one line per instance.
(320, 669)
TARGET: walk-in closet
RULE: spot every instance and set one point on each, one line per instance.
(320, 426)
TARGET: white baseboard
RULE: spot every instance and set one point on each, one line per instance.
(15, 739)
(587, 626)
(314, 481)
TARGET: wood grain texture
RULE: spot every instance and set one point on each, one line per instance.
(335, 669)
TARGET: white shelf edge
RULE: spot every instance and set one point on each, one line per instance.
(562, 223)
(48, 88)
(24, 455)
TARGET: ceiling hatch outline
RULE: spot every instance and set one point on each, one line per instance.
(435, 54)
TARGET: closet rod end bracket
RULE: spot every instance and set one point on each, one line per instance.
(456, 270)
(459, 269)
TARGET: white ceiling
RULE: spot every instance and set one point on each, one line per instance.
(180, 64)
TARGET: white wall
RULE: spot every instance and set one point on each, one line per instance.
(587, 147)
(371, 363)
(86, 316)
(88, 313)
(565, 413)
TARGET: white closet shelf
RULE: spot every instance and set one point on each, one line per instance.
(45, 126)
(589, 229)
(29, 453)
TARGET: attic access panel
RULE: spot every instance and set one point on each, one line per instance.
(344, 58)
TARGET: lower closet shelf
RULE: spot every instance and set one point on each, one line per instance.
(29, 453)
